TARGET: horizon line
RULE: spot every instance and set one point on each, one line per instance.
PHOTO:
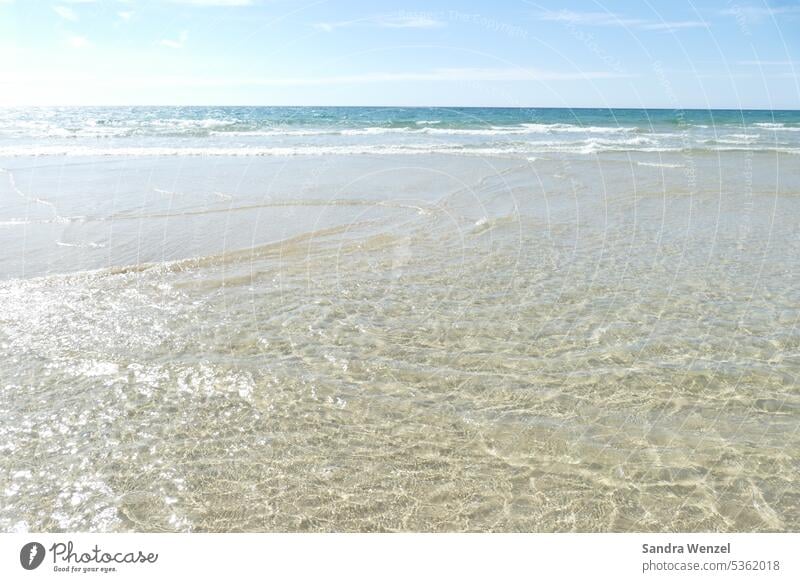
(645, 108)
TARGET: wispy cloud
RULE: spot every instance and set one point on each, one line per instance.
(675, 25)
(214, 2)
(65, 13)
(330, 26)
(403, 21)
(590, 18)
(760, 63)
(384, 21)
(77, 41)
(175, 44)
(126, 15)
(756, 12)
(611, 19)
(439, 75)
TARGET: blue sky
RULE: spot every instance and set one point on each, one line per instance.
(734, 53)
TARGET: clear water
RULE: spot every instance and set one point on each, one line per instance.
(269, 131)
(226, 319)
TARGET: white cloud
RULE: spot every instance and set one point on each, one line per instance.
(384, 21)
(611, 19)
(590, 18)
(126, 15)
(755, 12)
(65, 13)
(175, 44)
(440, 75)
(407, 21)
(758, 63)
(214, 2)
(677, 25)
(76, 41)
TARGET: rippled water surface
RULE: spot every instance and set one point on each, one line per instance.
(582, 340)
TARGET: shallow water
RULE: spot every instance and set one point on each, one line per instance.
(582, 342)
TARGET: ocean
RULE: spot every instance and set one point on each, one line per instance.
(387, 319)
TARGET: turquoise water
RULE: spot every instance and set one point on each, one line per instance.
(364, 130)
(300, 319)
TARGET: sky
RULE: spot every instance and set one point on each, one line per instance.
(736, 54)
